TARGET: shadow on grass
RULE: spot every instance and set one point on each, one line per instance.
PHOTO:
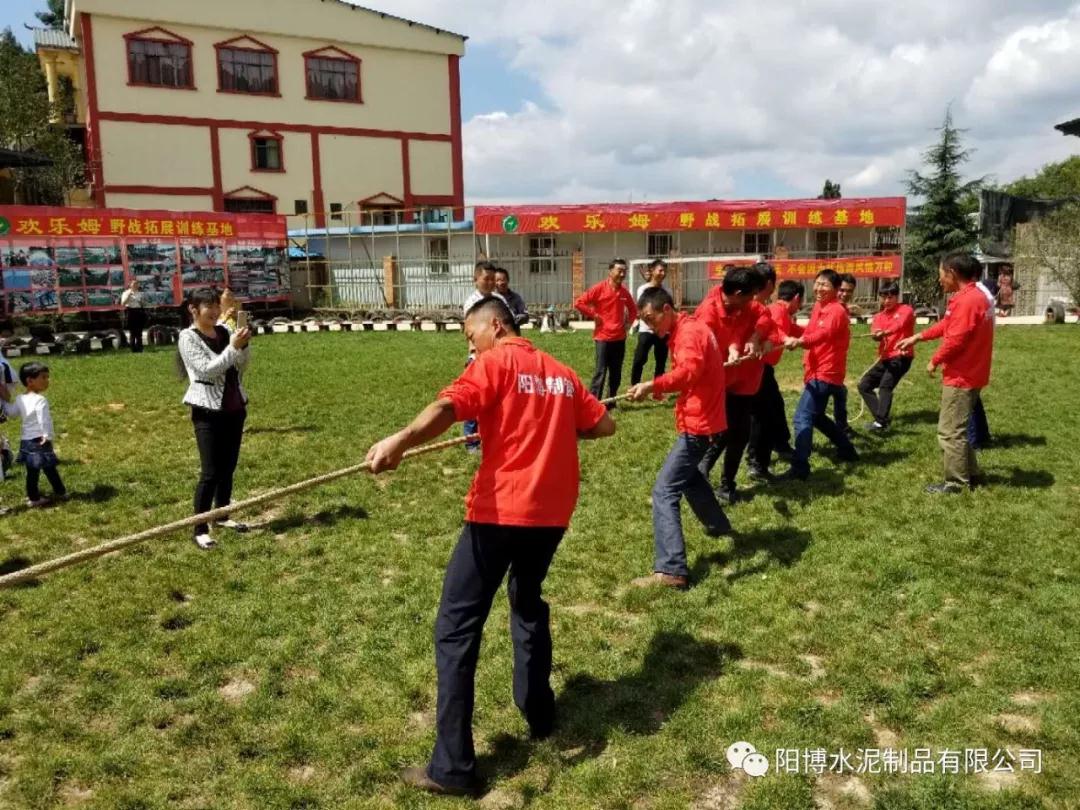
(326, 517)
(1022, 479)
(1006, 441)
(925, 416)
(881, 458)
(13, 564)
(280, 429)
(821, 483)
(589, 710)
(98, 494)
(783, 546)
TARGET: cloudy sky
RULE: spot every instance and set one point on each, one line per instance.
(582, 100)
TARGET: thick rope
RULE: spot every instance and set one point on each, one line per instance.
(34, 571)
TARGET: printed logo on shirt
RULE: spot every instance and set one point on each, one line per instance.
(542, 386)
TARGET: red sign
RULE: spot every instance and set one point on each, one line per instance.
(29, 222)
(858, 266)
(718, 215)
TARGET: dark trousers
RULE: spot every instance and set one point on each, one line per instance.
(218, 435)
(482, 557)
(733, 441)
(978, 429)
(810, 414)
(768, 427)
(39, 458)
(876, 386)
(136, 322)
(840, 407)
(646, 342)
(609, 359)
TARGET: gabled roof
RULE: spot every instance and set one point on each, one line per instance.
(48, 38)
(1069, 127)
(386, 16)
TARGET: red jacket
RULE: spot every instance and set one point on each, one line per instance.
(731, 328)
(897, 323)
(530, 408)
(698, 374)
(612, 307)
(968, 332)
(826, 339)
(785, 327)
(745, 378)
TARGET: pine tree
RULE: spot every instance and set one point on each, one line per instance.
(831, 191)
(941, 222)
(54, 17)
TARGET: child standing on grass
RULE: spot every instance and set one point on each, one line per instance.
(35, 448)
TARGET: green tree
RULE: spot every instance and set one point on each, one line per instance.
(941, 222)
(1053, 181)
(25, 125)
(1053, 246)
(54, 16)
(831, 191)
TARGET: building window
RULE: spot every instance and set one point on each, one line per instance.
(245, 70)
(335, 212)
(300, 207)
(659, 244)
(827, 244)
(266, 152)
(159, 63)
(332, 75)
(541, 254)
(250, 205)
(757, 242)
(438, 255)
(885, 241)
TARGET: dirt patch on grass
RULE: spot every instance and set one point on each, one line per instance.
(1030, 697)
(840, 793)
(304, 674)
(502, 799)
(997, 781)
(75, 794)
(763, 666)
(883, 737)
(421, 720)
(301, 773)
(827, 699)
(723, 795)
(810, 607)
(236, 690)
(816, 664)
(1018, 724)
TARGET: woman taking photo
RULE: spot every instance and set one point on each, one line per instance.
(134, 303)
(214, 361)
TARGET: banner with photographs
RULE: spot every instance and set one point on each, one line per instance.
(55, 260)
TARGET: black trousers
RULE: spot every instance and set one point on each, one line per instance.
(646, 342)
(883, 377)
(218, 435)
(609, 359)
(482, 557)
(769, 427)
(733, 441)
(33, 478)
(136, 322)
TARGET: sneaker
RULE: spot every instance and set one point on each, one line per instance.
(204, 541)
(946, 488)
(760, 474)
(418, 778)
(37, 504)
(660, 579)
(235, 525)
(875, 427)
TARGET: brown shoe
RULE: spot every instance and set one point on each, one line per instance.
(418, 778)
(660, 578)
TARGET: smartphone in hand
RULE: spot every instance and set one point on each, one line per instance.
(241, 320)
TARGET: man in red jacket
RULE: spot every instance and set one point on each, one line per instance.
(892, 324)
(532, 409)
(769, 431)
(742, 325)
(698, 377)
(612, 307)
(964, 355)
(826, 340)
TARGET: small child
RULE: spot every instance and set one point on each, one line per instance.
(35, 448)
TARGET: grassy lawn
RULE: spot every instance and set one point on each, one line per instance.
(293, 668)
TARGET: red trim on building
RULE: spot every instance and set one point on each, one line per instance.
(192, 191)
(170, 38)
(266, 134)
(93, 133)
(215, 162)
(317, 198)
(344, 56)
(279, 126)
(263, 48)
(406, 174)
(433, 200)
(455, 136)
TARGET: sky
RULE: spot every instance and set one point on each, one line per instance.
(651, 100)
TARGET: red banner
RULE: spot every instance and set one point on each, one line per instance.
(718, 215)
(75, 260)
(801, 269)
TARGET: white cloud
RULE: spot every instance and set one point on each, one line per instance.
(699, 98)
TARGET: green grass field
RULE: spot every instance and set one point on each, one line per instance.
(292, 667)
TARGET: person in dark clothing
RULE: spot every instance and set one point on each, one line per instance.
(647, 340)
(612, 308)
(512, 299)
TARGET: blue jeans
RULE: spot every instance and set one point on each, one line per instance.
(978, 429)
(678, 477)
(810, 414)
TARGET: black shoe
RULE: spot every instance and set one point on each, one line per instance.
(760, 474)
(946, 488)
(785, 452)
(876, 427)
(849, 456)
(418, 778)
(726, 495)
(849, 431)
(721, 531)
(794, 475)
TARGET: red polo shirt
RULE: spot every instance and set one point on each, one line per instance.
(698, 374)
(826, 339)
(745, 378)
(530, 408)
(612, 307)
(897, 323)
(968, 332)
(785, 327)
